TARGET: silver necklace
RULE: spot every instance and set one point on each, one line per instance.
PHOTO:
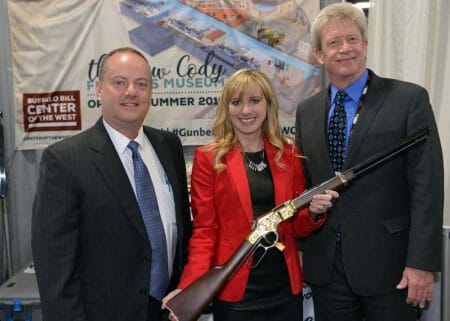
(256, 167)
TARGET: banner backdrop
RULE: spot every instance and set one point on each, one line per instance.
(192, 46)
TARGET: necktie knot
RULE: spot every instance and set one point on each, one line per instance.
(340, 96)
(134, 146)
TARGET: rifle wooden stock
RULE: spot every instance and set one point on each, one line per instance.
(189, 304)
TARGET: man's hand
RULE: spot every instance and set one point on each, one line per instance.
(420, 286)
(321, 202)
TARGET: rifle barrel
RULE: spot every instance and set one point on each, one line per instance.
(391, 152)
(343, 179)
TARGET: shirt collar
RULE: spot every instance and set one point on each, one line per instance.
(120, 141)
(354, 90)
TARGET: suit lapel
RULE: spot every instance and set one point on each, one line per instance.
(109, 165)
(279, 175)
(165, 156)
(238, 176)
(319, 126)
(371, 106)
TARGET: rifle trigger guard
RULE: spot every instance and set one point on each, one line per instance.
(270, 243)
(275, 242)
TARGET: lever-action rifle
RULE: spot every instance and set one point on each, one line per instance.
(189, 304)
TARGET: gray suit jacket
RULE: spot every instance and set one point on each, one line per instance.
(90, 247)
(391, 217)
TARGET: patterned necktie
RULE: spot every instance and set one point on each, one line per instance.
(148, 204)
(337, 132)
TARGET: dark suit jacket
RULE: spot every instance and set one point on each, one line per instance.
(223, 216)
(90, 247)
(391, 217)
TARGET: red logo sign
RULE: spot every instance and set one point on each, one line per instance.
(58, 110)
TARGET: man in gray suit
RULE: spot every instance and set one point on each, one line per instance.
(375, 256)
(91, 247)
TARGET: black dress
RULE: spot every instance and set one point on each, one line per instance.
(268, 293)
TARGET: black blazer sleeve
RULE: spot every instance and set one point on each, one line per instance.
(55, 237)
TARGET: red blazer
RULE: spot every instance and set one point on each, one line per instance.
(223, 216)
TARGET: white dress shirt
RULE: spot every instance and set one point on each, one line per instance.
(161, 183)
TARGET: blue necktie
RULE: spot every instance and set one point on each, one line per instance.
(337, 132)
(148, 204)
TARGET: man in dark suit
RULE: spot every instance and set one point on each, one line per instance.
(92, 250)
(375, 256)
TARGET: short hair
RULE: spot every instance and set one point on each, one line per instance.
(241, 82)
(105, 59)
(337, 11)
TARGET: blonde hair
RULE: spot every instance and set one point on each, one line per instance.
(241, 82)
(337, 11)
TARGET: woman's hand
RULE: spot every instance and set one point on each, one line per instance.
(167, 298)
(321, 202)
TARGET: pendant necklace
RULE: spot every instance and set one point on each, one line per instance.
(253, 166)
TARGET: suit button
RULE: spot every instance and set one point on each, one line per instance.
(146, 258)
(143, 291)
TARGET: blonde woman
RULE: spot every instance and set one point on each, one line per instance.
(249, 169)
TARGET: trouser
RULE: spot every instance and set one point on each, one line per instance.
(337, 302)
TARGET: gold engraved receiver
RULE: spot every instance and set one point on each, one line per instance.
(268, 223)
